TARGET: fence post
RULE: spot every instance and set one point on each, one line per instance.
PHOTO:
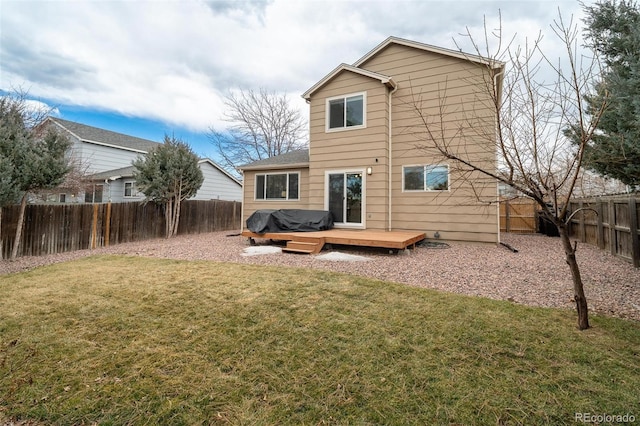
(600, 226)
(633, 228)
(507, 216)
(581, 224)
(613, 245)
(94, 227)
(107, 225)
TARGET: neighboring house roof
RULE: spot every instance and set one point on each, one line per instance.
(298, 158)
(104, 137)
(118, 140)
(129, 171)
(384, 79)
(113, 174)
(429, 48)
(217, 166)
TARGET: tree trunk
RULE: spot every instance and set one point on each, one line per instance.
(578, 288)
(176, 219)
(16, 242)
(168, 217)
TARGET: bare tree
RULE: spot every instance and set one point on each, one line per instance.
(521, 116)
(262, 124)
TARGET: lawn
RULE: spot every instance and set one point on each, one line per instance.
(128, 340)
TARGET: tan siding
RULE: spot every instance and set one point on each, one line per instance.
(423, 77)
(427, 77)
(351, 150)
(250, 205)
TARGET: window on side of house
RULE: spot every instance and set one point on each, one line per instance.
(278, 186)
(93, 193)
(425, 178)
(346, 112)
(130, 189)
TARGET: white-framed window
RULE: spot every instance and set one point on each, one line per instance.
(425, 178)
(278, 186)
(93, 193)
(346, 112)
(130, 189)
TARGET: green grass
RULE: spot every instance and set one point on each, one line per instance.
(125, 340)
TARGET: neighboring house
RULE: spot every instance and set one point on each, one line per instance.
(105, 159)
(363, 163)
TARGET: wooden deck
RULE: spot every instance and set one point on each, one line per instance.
(312, 242)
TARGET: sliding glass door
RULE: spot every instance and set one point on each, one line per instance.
(344, 197)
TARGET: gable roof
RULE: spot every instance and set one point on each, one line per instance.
(357, 66)
(298, 158)
(104, 137)
(128, 171)
(217, 166)
(384, 79)
(427, 48)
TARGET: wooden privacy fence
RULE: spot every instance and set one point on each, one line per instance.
(518, 216)
(611, 224)
(50, 229)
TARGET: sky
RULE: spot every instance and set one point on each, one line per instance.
(148, 68)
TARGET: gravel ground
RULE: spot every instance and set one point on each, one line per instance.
(537, 275)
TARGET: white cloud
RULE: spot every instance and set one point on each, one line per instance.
(173, 61)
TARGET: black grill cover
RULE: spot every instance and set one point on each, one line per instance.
(289, 220)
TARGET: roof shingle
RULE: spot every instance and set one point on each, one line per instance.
(298, 157)
(102, 136)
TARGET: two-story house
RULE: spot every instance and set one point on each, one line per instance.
(105, 160)
(366, 162)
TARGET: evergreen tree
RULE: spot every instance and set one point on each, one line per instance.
(29, 161)
(168, 175)
(613, 30)
(12, 141)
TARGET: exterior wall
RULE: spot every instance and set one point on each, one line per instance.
(250, 204)
(353, 149)
(99, 158)
(428, 79)
(217, 185)
(114, 192)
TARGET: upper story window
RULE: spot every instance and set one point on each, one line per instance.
(425, 178)
(346, 112)
(278, 186)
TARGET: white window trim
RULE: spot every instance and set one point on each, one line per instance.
(424, 189)
(345, 128)
(271, 200)
(134, 193)
(363, 213)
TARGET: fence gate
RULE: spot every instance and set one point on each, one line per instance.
(518, 216)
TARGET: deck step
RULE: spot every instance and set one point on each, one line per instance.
(292, 250)
(302, 247)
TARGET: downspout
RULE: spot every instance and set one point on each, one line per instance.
(106, 182)
(242, 203)
(389, 152)
(499, 97)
